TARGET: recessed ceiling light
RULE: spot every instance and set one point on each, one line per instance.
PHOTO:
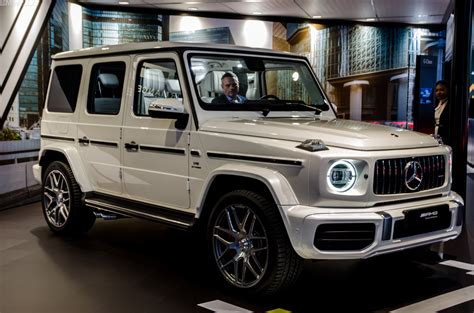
(192, 9)
(317, 16)
(123, 2)
(257, 13)
(370, 19)
(422, 15)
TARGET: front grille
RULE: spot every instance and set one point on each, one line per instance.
(344, 236)
(389, 174)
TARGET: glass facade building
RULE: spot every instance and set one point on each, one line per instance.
(99, 28)
(112, 27)
(221, 35)
(33, 88)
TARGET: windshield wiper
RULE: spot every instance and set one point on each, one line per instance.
(317, 108)
(321, 107)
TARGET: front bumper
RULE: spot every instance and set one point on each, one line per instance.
(302, 223)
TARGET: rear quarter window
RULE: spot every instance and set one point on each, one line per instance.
(65, 83)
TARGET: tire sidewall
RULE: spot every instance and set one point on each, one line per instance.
(73, 202)
(271, 226)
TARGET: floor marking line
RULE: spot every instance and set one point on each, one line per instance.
(461, 265)
(440, 302)
(223, 307)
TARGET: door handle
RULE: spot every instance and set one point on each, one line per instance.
(131, 146)
(84, 141)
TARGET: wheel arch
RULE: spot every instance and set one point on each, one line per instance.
(69, 156)
(269, 182)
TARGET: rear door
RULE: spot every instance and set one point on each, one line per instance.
(99, 127)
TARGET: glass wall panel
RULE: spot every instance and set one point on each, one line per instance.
(111, 27)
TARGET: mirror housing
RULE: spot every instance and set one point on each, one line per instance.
(171, 108)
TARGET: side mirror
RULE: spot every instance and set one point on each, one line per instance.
(171, 108)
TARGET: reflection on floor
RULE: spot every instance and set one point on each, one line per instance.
(131, 265)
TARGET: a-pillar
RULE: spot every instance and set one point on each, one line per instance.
(356, 98)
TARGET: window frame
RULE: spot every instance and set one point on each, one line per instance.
(136, 94)
(93, 80)
(52, 75)
(235, 55)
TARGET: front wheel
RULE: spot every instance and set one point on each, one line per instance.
(249, 246)
(62, 203)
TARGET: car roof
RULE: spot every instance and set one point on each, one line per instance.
(132, 48)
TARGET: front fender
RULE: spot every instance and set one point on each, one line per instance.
(276, 183)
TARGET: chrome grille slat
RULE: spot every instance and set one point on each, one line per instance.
(389, 174)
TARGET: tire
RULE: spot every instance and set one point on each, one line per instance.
(62, 201)
(248, 245)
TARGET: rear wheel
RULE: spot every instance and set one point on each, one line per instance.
(249, 246)
(62, 203)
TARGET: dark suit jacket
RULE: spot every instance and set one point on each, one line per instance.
(222, 99)
(444, 124)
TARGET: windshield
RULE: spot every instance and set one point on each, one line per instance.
(251, 83)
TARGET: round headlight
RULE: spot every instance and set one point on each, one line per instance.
(341, 176)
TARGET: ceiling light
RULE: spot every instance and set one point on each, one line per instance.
(123, 2)
(370, 19)
(317, 16)
(192, 9)
(257, 13)
(422, 15)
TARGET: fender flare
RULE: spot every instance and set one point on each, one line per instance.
(276, 183)
(75, 162)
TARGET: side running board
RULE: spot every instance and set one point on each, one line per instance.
(106, 204)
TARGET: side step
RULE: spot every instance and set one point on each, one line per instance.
(107, 216)
(111, 206)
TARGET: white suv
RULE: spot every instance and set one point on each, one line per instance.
(131, 130)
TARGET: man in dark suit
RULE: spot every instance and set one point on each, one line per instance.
(230, 90)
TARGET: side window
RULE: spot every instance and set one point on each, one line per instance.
(105, 88)
(157, 80)
(64, 88)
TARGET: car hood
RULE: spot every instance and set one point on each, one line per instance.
(337, 133)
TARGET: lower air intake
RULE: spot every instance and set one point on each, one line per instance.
(344, 236)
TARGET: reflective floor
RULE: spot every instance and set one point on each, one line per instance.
(130, 265)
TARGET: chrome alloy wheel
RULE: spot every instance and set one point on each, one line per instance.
(240, 246)
(56, 198)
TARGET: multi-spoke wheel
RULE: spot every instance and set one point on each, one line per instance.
(61, 199)
(249, 245)
(56, 198)
(240, 245)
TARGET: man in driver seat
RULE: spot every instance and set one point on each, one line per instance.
(230, 90)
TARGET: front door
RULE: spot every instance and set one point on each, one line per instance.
(155, 152)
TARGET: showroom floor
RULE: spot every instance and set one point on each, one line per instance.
(129, 265)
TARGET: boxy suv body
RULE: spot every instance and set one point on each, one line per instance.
(131, 130)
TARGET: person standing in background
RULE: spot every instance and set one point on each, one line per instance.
(441, 115)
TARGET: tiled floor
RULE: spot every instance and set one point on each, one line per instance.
(136, 266)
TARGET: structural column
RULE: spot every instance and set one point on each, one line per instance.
(356, 98)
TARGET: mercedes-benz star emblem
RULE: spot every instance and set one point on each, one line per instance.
(413, 175)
